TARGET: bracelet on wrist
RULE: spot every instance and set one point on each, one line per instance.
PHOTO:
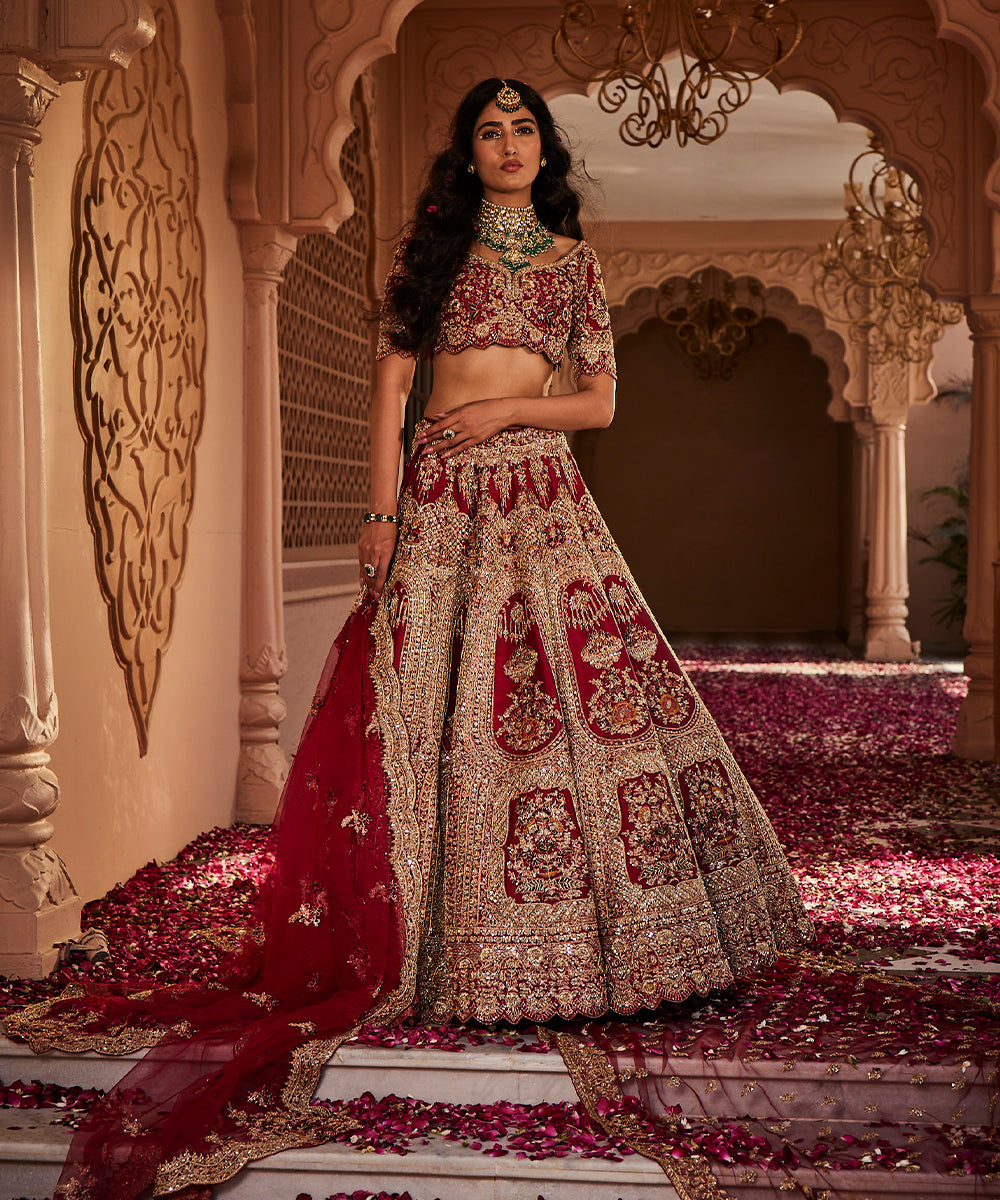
(391, 518)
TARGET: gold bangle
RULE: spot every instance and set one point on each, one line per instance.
(368, 518)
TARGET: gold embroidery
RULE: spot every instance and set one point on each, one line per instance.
(307, 914)
(358, 821)
(502, 631)
(263, 999)
(594, 1080)
(548, 308)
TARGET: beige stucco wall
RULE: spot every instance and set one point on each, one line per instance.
(117, 810)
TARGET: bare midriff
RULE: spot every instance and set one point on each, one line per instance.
(486, 374)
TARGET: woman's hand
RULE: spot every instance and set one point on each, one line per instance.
(468, 425)
(375, 547)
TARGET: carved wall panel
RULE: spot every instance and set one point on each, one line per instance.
(138, 317)
(324, 358)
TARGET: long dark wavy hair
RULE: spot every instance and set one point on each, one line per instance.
(438, 238)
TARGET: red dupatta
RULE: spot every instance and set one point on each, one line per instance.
(232, 1068)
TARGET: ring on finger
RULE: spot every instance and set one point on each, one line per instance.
(448, 433)
(369, 570)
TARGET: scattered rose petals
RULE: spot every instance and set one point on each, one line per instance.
(895, 846)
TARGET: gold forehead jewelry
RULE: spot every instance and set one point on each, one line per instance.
(507, 99)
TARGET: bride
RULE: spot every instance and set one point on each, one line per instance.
(508, 803)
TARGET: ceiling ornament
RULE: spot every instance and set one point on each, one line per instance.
(718, 50)
(870, 272)
(713, 314)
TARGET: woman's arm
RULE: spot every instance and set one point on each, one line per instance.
(591, 406)
(377, 540)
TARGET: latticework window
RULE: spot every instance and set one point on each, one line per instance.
(324, 362)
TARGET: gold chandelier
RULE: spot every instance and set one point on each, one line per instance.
(713, 314)
(870, 271)
(724, 47)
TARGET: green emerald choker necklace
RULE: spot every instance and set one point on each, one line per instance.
(516, 234)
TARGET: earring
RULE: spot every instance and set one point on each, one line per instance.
(544, 162)
(471, 168)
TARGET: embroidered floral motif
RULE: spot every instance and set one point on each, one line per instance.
(668, 696)
(602, 649)
(359, 962)
(555, 534)
(529, 721)
(545, 855)
(310, 912)
(358, 821)
(526, 718)
(615, 706)
(711, 814)
(656, 846)
(263, 999)
(642, 642)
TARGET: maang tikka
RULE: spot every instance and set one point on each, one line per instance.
(507, 99)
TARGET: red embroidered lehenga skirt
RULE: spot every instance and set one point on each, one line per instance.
(509, 803)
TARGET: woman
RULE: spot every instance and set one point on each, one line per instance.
(508, 802)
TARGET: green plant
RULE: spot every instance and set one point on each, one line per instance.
(949, 542)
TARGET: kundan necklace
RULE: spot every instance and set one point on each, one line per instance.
(516, 234)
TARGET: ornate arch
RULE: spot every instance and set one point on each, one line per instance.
(915, 78)
(886, 67)
(782, 304)
(974, 24)
(787, 276)
(305, 60)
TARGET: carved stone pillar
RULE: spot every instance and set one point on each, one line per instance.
(263, 764)
(886, 636)
(974, 734)
(38, 903)
(862, 444)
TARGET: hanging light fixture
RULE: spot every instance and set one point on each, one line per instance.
(713, 314)
(870, 271)
(723, 46)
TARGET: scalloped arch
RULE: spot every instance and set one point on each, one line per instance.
(781, 303)
(885, 65)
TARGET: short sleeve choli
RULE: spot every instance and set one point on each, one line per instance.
(548, 308)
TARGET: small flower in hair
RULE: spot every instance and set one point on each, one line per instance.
(432, 208)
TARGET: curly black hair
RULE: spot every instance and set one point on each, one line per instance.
(438, 238)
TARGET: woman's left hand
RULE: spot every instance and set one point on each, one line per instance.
(451, 432)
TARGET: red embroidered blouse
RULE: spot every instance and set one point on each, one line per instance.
(549, 308)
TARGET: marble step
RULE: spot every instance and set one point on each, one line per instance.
(32, 1150)
(488, 1073)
